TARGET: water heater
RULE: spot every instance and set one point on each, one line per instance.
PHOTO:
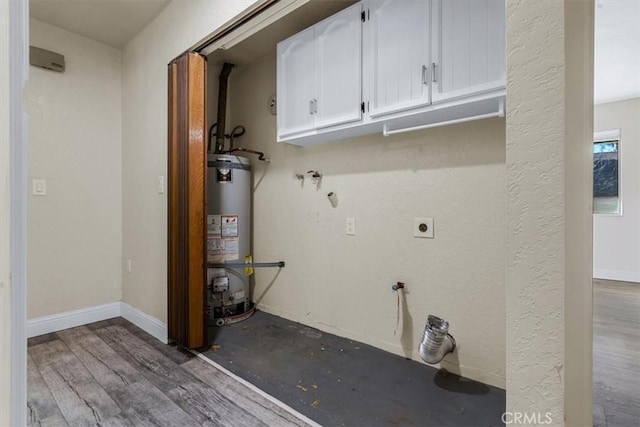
(228, 237)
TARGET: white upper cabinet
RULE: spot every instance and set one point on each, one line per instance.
(319, 75)
(296, 83)
(399, 43)
(339, 68)
(468, 47)
(392, 66)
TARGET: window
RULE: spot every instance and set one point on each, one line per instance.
(606, 173)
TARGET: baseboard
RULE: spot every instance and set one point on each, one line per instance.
(70, 319)
(623, 276)
(147, 323)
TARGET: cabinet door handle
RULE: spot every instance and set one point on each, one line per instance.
(315, 105)
(424, 75)
(311, 106)
(434, 78)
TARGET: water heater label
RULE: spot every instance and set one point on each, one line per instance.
(229, 225)
(224, 175)
(222, 249)
(231, 249)
(213, 225)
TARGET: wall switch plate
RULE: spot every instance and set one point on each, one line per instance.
(423, 227)
(350, 227)
(128, 265)
(39, 187)
(160, 184)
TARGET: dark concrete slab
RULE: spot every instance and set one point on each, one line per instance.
(336, 381)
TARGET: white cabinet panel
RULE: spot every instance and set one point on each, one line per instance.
(296, 83)
(339, 68)
(399, 36)
(468, 47)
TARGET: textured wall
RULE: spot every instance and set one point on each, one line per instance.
(535, 207)
(74, 233)
(144, 141)
(342, 284)
(617, 238)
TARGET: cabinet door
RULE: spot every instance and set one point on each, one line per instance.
(296, 81)
(339, 68)
(399, 33)
(469, 47)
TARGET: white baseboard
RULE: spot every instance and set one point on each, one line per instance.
(147, 323)
(71, 319)
(623, 276)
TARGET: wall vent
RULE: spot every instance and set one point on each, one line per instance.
(46, 59)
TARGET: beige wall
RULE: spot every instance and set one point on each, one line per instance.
(535, 197)
(144, 141)
(549, 118)
(535, 204)
(74, 233)
(617, 238)
(5, 277)
(342, 284)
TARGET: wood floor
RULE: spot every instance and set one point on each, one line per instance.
(112, 373)
(616, 354)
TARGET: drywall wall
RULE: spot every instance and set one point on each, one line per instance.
(74, 232)
(616, 249)
(342, 284)
(535, 197)
(5, 229)
(549, 112)
(144, 142)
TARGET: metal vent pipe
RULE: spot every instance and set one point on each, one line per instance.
(436, 341)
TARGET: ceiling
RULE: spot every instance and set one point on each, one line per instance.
(617, 50)
(112, 22)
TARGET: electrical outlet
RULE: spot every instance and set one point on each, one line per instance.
(423, 227)
(351, 227)
(39, 187)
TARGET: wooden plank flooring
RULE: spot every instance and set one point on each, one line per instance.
(616, 354)
(111, 373)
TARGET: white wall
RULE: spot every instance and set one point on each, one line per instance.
(342, 284)
(74, 233)
(5, 259)
(616, 253)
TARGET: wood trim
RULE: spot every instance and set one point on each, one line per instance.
(187, 200)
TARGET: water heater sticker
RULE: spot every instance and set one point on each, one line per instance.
(229, 225)
(213, 225)
(231, 249)
(238, 295)
(224, 175)
(215, 249)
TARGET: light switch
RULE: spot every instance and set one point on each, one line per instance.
(39, 187)
(160, 184)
